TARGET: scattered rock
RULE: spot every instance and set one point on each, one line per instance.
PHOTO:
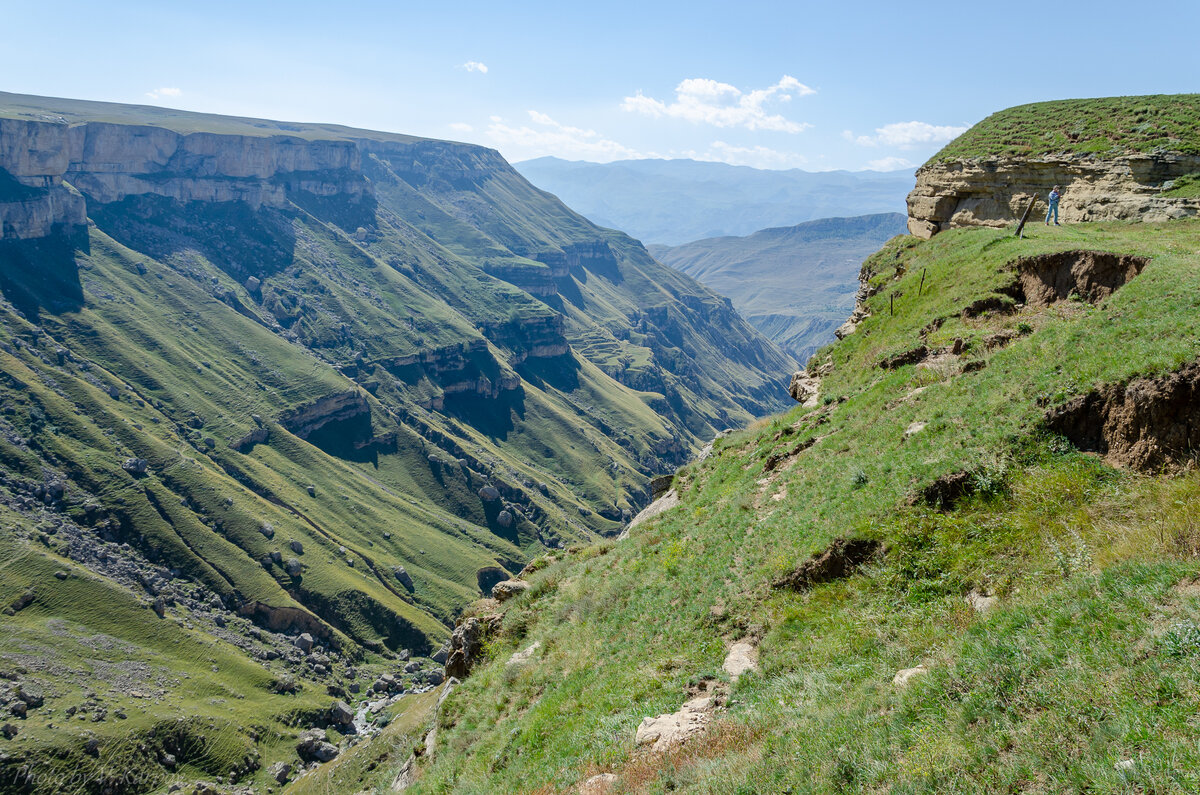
(466, 643)
(267, 529)
(23, 601)
(805, 389)
(661, 505)
(18, 708)
(664, 732)
(489, 494)
(914, 428)
(503, 591)
(504, 519)
(135, 466)
(905, 675)
(296, 547)
(441, 655)
(525, 655)
(279, 772)
(293, 567)
(252, 284)
(341, 714)
(1125, 766)
(312, 746)
(305, 642)
(600, 784)
(9, 731)
(981, 603)
(405, 579)
(742, 657)
(840, 559)
(312, 490)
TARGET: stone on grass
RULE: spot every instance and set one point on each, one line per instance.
(507, 589)
(905, 675)
(304, 642)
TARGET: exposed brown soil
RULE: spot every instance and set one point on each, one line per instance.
(908, 357)
(1090, 275)
(1147, 424)
(776, 459)
(946, 491)
(840, 559)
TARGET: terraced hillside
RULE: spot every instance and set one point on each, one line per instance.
(967, 565)
(278, 400)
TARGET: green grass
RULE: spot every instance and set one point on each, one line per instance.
(1088, 660)
(1104, 127)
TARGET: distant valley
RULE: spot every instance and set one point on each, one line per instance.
(795, 284)
(671, 202)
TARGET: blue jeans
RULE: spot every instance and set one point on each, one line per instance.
(1052, 209)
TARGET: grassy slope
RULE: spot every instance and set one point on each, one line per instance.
(1105, 126)
(1090, 659)
(794, 284)
(146, 343)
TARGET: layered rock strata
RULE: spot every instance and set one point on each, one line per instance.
(995, 193)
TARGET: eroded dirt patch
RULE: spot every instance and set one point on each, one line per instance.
(840, 559)
(1090, 275)
(1147, 424)
(945, 492)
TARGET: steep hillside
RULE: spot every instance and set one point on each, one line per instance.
(1116, 158)
(795, 284)
(672, 202)
(969, 564)
(278, 400)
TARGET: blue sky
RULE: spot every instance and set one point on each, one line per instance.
(813, 85)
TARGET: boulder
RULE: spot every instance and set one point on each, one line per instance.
(489, 494)
(293, 567)
(135, 466)
(466, 643)
(404, 577)
(503, 591)
(252, 284)
(667, 731)
(505, 519)
(296, 547)
(341, 714)
(312, 746)
(305, 642)
(280, 772)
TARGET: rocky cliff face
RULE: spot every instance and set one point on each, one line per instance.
(996, 192)
(54, 170)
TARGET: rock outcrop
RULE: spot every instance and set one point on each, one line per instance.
(54, 169)
(996, 192)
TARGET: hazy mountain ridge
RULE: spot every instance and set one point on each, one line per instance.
(794, 284)
(672, 202)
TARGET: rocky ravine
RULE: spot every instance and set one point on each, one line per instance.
(996, 192)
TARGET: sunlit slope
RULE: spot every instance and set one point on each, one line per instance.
(1044, 592)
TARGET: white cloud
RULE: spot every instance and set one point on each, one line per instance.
(160, 93)
(754, 156)
(475, 66)
(550, 137)
(889, 164)
(704, 101)
(906, 134)
(459, 126)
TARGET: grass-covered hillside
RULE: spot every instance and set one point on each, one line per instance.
(1014, 525)
(795, 284)
(1104, 127)
(254, 455)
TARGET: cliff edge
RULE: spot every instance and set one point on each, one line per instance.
(1120, 158)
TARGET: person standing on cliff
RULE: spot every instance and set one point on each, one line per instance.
(1053, 208)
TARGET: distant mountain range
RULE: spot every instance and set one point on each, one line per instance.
(676, 201)
(795, 284)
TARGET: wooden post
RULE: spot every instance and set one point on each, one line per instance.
(921, 289)
(1025, 217)
(892, 304)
